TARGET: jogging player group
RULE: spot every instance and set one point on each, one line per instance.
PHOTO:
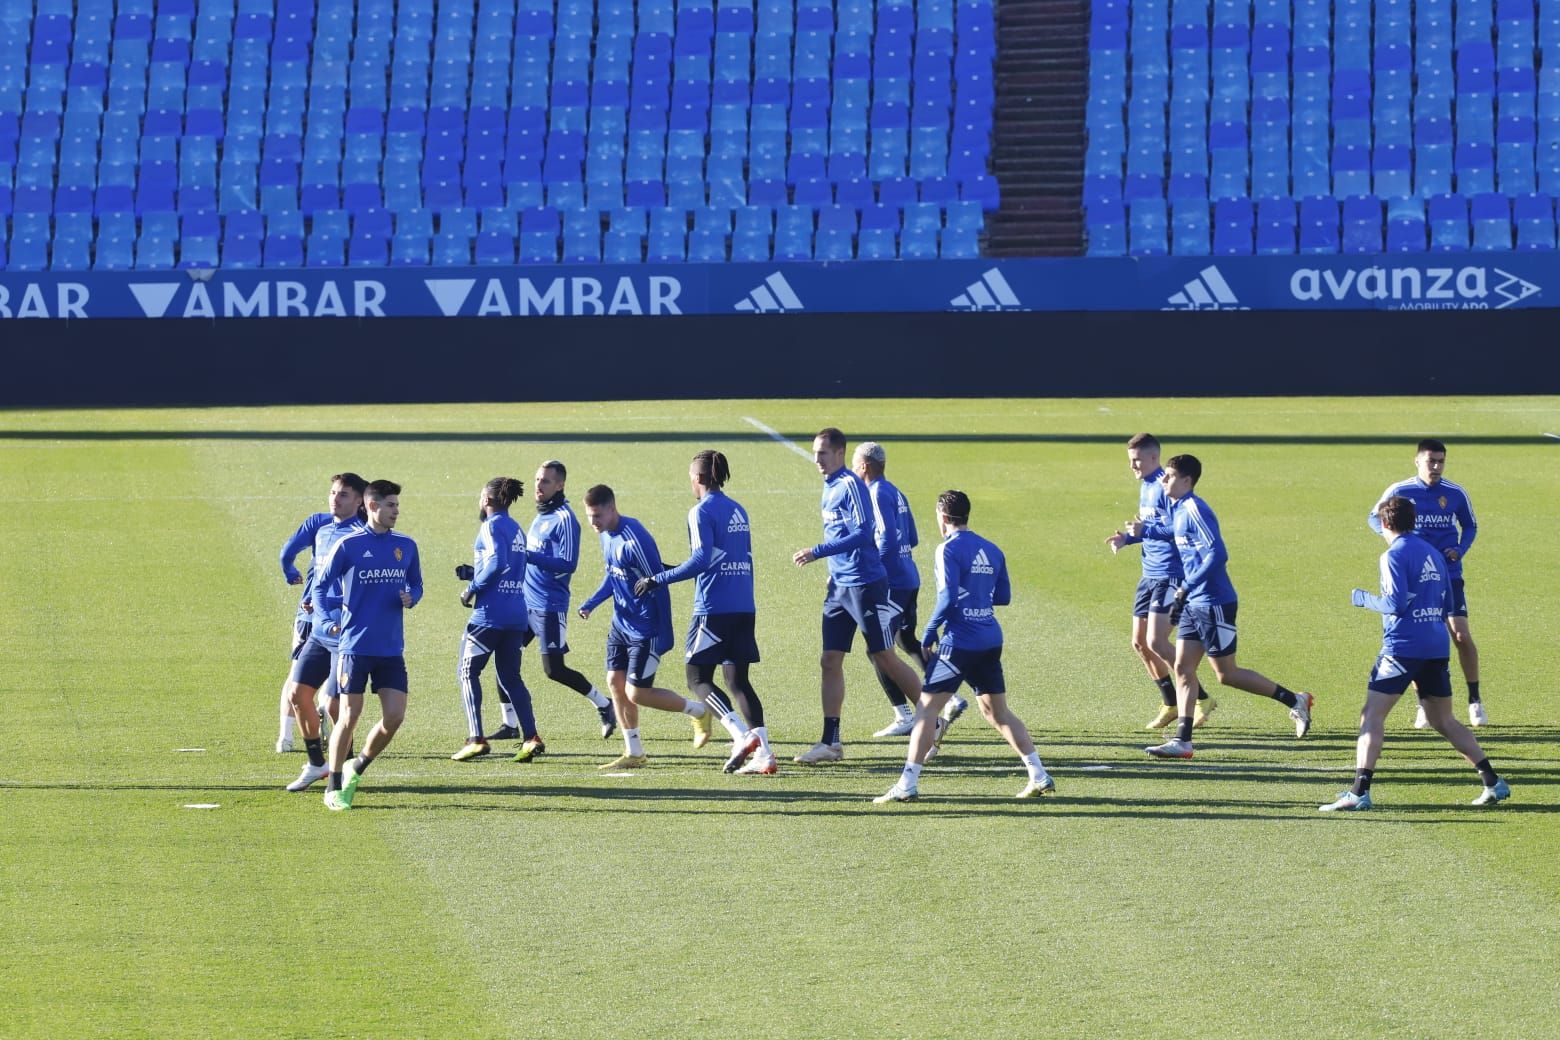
(364, 575)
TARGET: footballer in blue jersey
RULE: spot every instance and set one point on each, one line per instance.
(963, 644)
(721, 631)
(301, 539)
(1205, 607)
(552, 556)
(1157, 587)
(365, 586)
(895, 536)
(495, 590)
(1446, 521)
(314, 658)
(1415, 596)
(857, 596)
(641, 626)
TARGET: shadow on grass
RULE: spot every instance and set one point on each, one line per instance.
(735, 434)
(811, 802)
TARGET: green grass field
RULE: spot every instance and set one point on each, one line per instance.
(143, 612)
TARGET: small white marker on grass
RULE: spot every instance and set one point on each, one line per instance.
(1095, 769)
(189, 750)
(617, 774)
(203, 805)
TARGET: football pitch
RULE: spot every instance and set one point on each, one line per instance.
(147, 628)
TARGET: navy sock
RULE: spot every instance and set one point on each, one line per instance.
(360, 764)
(831, 729)
(1486, 772)
(334, 783)
(316, 752)
(1166, 691)
(1473, 693)
(1183, 728)
(1202, 694)
(1284, 697)
(1362, 781)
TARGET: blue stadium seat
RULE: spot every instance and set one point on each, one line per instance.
(1318, 225)
(1533, 218)
(1490, 219)
(1275, 228)
(1362, 225)
(1406, 230)
(1190, 227)
(1232, 227)
(1147, 228)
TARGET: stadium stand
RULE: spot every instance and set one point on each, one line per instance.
(152, 134)
(1346, 126)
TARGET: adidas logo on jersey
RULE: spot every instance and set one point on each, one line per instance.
(991, 293)
(981, 564)
(738, 522)
(368, 554)
(1207, 292)
(1429, 572)
(773, 295)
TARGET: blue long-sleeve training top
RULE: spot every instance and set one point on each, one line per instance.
(630, 554)
(1414, 593)
(1195, 531)
(894, 527)
(1160, 559)
(720, 557)
(972, 579)
(302, 539)
(325, 540)
(553, 545)
(1443, 516)
(360, 587)
(498, 557)
(848, 530)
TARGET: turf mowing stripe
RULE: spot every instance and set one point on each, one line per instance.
(777, 435)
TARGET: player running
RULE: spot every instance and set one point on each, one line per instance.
(972, 580)
(1205, 607)
(496, 591)
(301, 539)
(365, 586)
(857, 596)
(1447, 522)
(315, 660)
(1157, 587)
(1415, 595)
(641, 626)
(721, 631)
(552, 555)
(896, 538)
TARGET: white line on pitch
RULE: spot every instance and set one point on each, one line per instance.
(1555, 436)
(777, 435)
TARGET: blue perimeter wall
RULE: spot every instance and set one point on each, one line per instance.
(1399, 324)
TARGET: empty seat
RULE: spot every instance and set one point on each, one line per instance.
(1533, 219)
(1448, 220)
(1362, 225)
(1489, 217)
(1275, 230)
(1406, 230)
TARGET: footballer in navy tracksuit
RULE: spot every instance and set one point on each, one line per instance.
(962, 644)
(365, 586)
(1206, 603)
(499, 620)
(1415, 596)
(1444, 519)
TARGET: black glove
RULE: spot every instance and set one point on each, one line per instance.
(465, 571)
(644, 586)
(1176, 606)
